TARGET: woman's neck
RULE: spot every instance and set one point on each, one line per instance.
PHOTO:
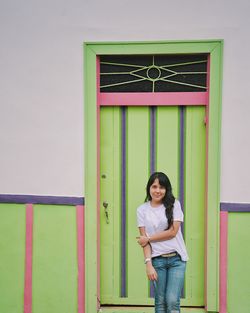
(155, 204)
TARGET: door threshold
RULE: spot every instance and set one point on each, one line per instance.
(143, 309)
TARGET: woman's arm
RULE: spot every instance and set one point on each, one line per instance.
(164, 235)
(151, 273)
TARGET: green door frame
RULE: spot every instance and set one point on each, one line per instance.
(91, 114)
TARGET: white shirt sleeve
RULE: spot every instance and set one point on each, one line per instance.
(178, 214)
(140, 217)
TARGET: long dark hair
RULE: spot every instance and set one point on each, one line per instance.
(168, 200)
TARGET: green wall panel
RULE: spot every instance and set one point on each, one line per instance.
(54, 259)
(238, 294)
(12, 260)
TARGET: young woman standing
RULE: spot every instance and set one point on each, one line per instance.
(165, 254)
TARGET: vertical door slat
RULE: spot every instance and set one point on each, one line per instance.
(168, 144)
(138, 172)
(110, 193)
(195, 203)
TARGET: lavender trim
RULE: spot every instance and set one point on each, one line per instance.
(34, 199)
(235, 207)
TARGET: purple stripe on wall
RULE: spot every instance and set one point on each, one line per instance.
(123, 206)
(182, 159)
(152, 139)
(33, 199)
(235, 207)
(151, 289)
(182, 169)
(152, 163)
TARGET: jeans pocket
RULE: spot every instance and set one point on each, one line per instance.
(158, 262)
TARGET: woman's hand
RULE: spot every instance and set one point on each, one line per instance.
(142, 240)
(151, 272)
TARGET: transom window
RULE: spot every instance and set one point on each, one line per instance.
(153, 73)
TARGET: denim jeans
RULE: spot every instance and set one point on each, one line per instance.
(168, 287)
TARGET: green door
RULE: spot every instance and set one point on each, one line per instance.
(134, 141)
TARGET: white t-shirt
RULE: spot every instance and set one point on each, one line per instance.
(154, 220)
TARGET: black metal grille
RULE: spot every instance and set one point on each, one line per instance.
(153, 73)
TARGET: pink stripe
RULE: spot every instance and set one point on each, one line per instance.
(98, 80)
(98, 179)
(223, 261)
(28, 260)
(148, 98)
(208, 78)
(80, 255)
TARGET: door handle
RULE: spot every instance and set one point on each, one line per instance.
(105, 205)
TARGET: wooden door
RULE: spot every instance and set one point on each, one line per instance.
(135, 141)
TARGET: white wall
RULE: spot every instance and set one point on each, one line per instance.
(41, 82)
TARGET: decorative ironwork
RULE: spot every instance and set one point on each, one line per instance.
(148, 73)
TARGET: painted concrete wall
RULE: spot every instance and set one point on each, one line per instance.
(238, 270)
(41, 79)
(52, 280)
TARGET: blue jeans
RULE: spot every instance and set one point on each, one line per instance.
(168, 287)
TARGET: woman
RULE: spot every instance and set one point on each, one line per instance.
(165, 254)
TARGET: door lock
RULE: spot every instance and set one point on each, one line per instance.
(105, 205)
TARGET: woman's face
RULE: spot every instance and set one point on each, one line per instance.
(157, 192)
